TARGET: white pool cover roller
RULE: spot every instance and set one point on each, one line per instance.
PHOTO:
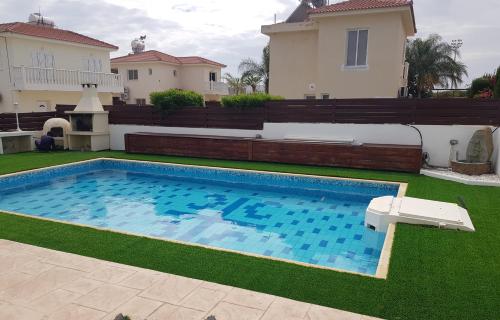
(385, 210)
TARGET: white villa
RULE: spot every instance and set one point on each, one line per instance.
(148, 71)
(41, 66)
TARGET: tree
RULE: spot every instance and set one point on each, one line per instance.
(496, 90)
(252, 80)
(432, 63)
(259, 70)
(235, 83)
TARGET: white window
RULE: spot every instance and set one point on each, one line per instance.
(309, 97)
(357, 48)
(114, 70)
(42, 59)
(150, 71)
(175, 73)
(212, 76)
(140, 102)
(92, 64)
(325, 96)
(133, 74)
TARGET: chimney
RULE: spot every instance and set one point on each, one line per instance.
(89, 102)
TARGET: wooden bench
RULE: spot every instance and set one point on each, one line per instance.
(406, 158)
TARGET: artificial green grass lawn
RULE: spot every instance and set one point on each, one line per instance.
(434, 274)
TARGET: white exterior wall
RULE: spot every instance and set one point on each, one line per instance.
(189, 77)
(6, 96)
(162, 78)
(436, 139)
(67, 56)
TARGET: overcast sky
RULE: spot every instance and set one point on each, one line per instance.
(229, 30)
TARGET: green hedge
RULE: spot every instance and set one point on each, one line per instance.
(479, 85)
(253, 100)
(176, 99)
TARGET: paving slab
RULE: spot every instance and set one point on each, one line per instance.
(43, 284)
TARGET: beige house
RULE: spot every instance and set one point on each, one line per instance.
(41, 66)
(350, 49)
(149, 71)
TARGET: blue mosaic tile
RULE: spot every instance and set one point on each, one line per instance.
(238, 210)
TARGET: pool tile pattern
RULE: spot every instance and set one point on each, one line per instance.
(323, 226)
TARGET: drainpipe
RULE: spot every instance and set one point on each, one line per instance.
(8, 58)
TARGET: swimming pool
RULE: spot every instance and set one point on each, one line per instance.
(305, 219)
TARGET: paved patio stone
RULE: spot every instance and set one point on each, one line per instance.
(43, 284)
(171, 289)
(53, 301)
(13, 278)
(228, 311)
(203, 299)
(76, 312)
(136, 308)
(142, 280)
(249, 298)
(8, 311)
(107, 297)
(171, 312)
(286, 309)
(82, 285)
(40, 285)
(111, 274)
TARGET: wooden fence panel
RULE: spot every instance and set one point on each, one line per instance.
(376, 111)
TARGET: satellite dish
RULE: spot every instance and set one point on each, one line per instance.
(138, 45)
(312, 86)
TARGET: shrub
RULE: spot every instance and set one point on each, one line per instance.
(174, 99)
(253, 100)
(479, 85)
(496, 90)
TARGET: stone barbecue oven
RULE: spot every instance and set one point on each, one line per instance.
(89, 123)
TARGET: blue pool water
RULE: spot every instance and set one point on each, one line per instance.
(306, 219)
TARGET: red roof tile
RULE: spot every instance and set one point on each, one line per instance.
(351, 5)
(153, 55)
(147, 56)
(40, 31)
(199, 60)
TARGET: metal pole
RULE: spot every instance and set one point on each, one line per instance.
(16, 108)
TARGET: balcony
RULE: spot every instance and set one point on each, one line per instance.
(49, 79)
(214, 87)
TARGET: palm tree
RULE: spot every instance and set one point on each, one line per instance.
(252, 80)
(235, 83)
(261, 70)
(432, 63)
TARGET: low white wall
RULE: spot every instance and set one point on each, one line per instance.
(436, 139)
(118, 132)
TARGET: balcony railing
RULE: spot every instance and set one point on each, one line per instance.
(214, 87)
(33, 78)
